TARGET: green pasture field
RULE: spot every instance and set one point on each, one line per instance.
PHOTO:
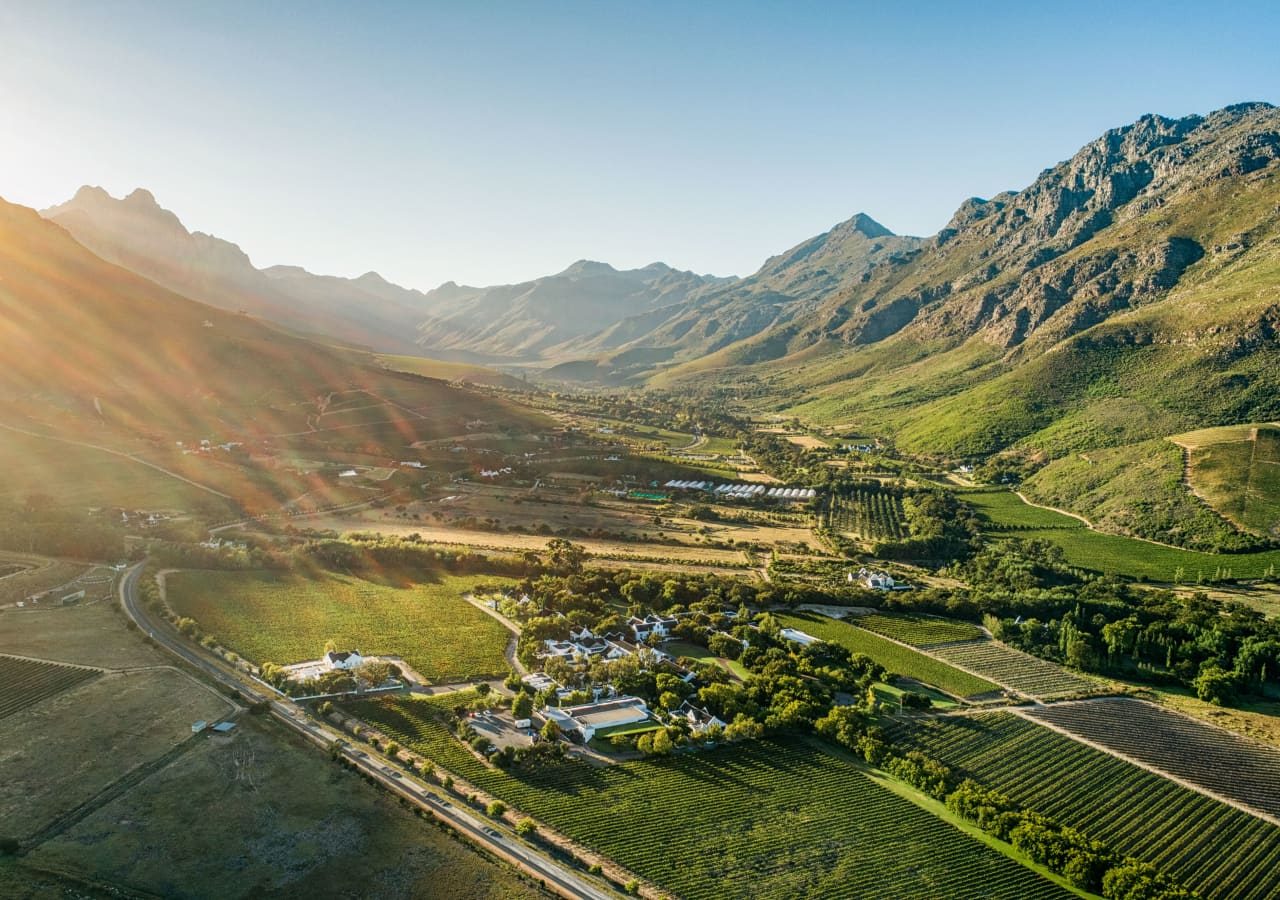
(761, 819)
(1112, 554)
(702, 654)
(896, 658)
(287, 617)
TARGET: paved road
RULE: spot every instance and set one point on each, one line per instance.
(492, 836)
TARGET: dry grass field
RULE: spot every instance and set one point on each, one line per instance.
(259, 814)
(497, 540)
(60, 753)
(86, 635)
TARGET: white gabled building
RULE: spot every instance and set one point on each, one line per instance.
(346, 660)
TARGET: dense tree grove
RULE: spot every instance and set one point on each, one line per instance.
(1031, 599)
(37, 526)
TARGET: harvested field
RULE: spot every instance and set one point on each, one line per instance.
(87, 635)
(506, 541)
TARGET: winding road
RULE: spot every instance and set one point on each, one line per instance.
(491, 835)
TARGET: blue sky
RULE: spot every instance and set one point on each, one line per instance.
(494, 142)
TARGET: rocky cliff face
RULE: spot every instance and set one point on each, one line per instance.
(1067, 252)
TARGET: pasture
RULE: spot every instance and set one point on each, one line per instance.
(1019, 671)
(1212, 848)
(762, 819)
(61, 752)
(263, 814)
(288, 617)
(1208, 757)
(896, 658)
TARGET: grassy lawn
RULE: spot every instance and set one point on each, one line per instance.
(287, 617)
(896, 658)
(766, 819)
(892, 694)
(702, 654)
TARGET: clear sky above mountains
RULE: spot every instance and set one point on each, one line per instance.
(497, 142)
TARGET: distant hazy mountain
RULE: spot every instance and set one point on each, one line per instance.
(89, 345)
(137, 233)
(524, 321)
(785, 288)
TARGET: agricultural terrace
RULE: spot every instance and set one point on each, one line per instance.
(919, 630)
(25, 682)
(1212, 848)
(288, 617)
(1201, 754)
(1020, 671)
(1113, 554)
(896, 658)
(763, 819)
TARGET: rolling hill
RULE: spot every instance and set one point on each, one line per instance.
(100, 355)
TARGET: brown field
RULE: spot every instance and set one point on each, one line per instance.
(440, 534)
(88, 635)
(58, 754)
(1224, 434)
(808, 441)
(562, 510)
(259, 814)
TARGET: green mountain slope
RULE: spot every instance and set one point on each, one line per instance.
(1130, 292)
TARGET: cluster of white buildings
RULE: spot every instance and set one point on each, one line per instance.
(582, 643)
(876, 580)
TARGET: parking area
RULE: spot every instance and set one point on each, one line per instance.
(500, 728)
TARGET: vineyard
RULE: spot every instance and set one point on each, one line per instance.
(1200, 754)
(867, 512)
(896, 658)
(1020, 671)
(1212, 848)
(764, 819)
(287, 618)
(918, 630)
(26, 682)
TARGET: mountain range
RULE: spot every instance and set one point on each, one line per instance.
(1129, 291)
